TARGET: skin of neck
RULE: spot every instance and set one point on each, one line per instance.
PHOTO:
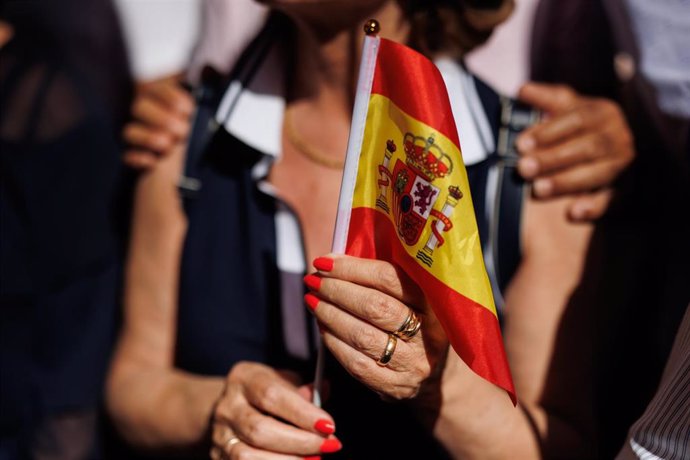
(327, 50)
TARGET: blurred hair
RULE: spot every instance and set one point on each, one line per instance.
(453, 27)
(83, 34)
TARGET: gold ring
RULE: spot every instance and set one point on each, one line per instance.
(409, 327)
(230, 443)
(388, 351)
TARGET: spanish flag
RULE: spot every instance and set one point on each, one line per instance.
(405, 198)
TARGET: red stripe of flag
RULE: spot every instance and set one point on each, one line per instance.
(406, 71)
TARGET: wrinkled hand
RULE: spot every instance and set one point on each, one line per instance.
(357, 303)
(160, 120)
(580, 149)
(262, 414)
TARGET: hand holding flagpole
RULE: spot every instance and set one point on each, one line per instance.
(424, 224)
(354, 147)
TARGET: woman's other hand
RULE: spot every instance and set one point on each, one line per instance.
(160, 120)
(262, 414)
(6, 33)
(360, 304)
(580, 149)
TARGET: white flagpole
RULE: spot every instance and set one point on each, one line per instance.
(365, 79)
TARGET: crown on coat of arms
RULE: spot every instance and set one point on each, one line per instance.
(454, 192)
(426, 157)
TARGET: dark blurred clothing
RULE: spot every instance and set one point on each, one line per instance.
(664, 428)
(592, 46)
(64, 90)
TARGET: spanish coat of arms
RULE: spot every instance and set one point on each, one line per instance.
(408, 192)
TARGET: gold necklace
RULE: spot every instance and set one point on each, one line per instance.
(308, 151)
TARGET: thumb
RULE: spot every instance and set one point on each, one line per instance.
(552, 99)
(591, 206)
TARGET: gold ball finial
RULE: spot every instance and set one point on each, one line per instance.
(371, 27)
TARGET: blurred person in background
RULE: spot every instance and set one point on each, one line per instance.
(635, 53)
(65, 93)
(547, 327)
(169, 42)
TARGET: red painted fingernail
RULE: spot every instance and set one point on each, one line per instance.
(331, 445)
(312, 301)
(324, 426)
(313, 282)
(325, 264)
(316, 457)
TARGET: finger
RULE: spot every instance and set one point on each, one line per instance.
(580, 179)
(370, 305)
(549, 132)
(380, 379)
(245, 451)
(581, 149)
(363, 337)
(549, 98)
(265, 432)
(6, 33)
(306, 392)
(284, 401)
(139, 159)
(147, 138)
(159, 116)
(591, 206)
(376, 274)
(588, 115)
(173, 96)
(215, 453)
(221, 438)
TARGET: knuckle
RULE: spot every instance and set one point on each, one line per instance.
(565, 93)
(421, 371)
(383, 309)
(593, 148)
(270, 396)
(222, 412)
(365, 339)
(601, 146)
(386, 276)
(236, 372)
(608, 108)
(409, 392)
(255, 430)
(402, 393)
(416, 368)
(359, 366)
(151, 139)
(580, 116)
